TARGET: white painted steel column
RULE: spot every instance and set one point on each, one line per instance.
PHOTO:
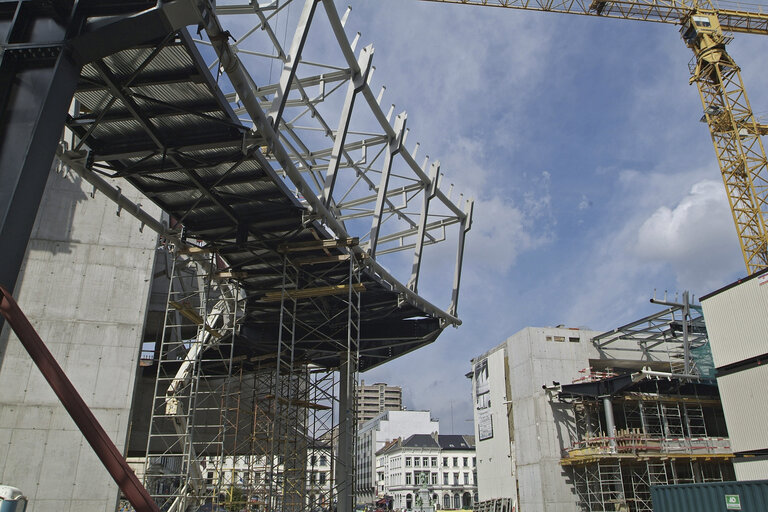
(466, 225)
(292, 62)
(430, 189)
(610, 424)
(356, 84)
(393, 148)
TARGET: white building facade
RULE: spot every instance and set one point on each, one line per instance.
(373, 435)
(445, 465)
(494, 431)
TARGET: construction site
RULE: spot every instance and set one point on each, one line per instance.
(592, 421)
(636, 424)
(197, 268)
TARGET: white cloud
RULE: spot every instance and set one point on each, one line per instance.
(695, 237)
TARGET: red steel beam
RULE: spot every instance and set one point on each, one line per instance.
(94, 433)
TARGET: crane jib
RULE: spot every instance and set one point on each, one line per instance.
(736, 134)
(672, 12)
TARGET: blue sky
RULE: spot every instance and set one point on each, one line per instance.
(579, 139)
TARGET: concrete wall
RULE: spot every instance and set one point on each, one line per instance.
(84, 287)
(534, 362)
(495, 455)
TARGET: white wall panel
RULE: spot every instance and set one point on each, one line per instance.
(745, 404)
(737, 321)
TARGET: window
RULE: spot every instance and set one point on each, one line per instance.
(407, 462)
(474, 463)
(425, 461)
(323, 460)
(445, 478)
(573, 339)
(455, 461)
(434, 462)
(466, 461)
(702, 21)
(408, 479)
(445, 461)
(455, 479)
(434, 478)
(456, 501)
(312, 477)
(560, 339)
(447, 501)
(322, 478)
(313, 460)
(466, 478)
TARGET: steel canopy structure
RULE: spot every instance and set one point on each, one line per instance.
(154, 116)
(277, 296)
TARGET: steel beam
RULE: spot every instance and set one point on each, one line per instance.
(393, 148)
(429, 192)
(291, 63)
(37, 98)
(466, 225)
(356, 84)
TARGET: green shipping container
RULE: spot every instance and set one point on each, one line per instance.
(749, 496)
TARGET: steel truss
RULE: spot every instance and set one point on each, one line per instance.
(328, 135)
(672, 332)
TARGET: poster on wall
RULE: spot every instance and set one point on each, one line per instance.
(484, 424)
(481, 378)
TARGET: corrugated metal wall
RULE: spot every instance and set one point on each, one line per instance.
(744, 395)
(737, 322)
(711, 497)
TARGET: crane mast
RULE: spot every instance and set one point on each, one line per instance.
(735, 133)
(734, 130)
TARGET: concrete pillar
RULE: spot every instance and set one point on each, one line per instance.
(345, 462)
(84, 286)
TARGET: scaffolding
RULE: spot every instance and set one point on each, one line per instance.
(267, 432)
(662, 436)
(654, 419)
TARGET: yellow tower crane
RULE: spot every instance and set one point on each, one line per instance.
(735, 131)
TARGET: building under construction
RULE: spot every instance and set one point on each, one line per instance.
(598, 418)
(207, 261)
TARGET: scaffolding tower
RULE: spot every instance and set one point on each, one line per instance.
(268, 432)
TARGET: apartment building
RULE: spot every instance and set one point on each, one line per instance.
(376, 398)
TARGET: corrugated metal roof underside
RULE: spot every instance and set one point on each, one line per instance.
(155, 116)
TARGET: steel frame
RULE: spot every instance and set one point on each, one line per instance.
(673, 331)
(383, 196)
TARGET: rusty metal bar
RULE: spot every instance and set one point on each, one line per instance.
(93, 432)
